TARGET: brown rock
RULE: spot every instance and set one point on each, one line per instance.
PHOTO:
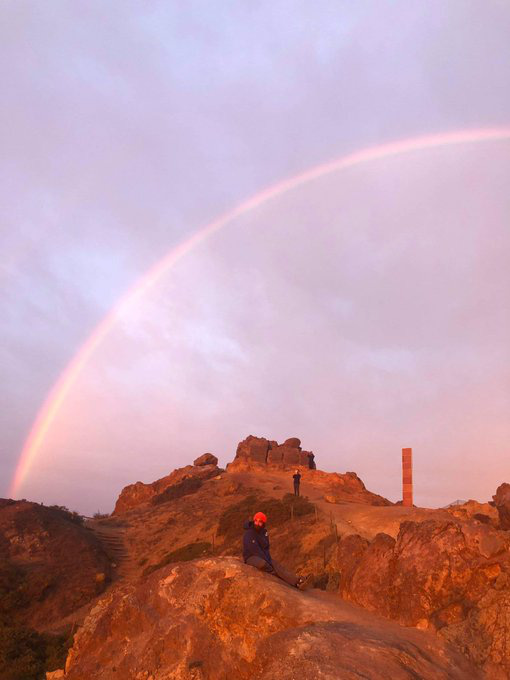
(502, 502)
(482, 512)
(258, 450)
(139, 493)
(253, 449)
(291, 456)
(218, 618)
(275, 455)
(436, 571)
(205, 459)
(293, 443)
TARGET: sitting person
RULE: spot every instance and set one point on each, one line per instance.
(256, 553)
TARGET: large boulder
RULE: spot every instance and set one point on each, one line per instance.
(261, 451)
(502, 502)
(347, 486)
(217, 618)
(448, 576)
(205, 459)
(481, 512)
(293, 443)
(253, 450)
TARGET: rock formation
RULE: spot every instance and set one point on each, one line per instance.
(206, 459)
(452, 578)
(261, 451)
(502, 502)
(217, 618)
(481, 512)
(139, 493)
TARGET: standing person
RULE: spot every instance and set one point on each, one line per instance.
(297, 479)
(256, 553)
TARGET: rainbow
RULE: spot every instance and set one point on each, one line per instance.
(60, 390)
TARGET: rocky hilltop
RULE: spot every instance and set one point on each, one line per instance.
(131, 496)
(218, 619)
(399, 592)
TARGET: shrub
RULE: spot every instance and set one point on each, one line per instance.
(278, 512)
(13, 591)
(70, 515)
(22, 654)
(27, 655)
(187, 486)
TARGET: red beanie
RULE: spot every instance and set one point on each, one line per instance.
(260, 515)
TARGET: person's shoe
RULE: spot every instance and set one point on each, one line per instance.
(305, 582)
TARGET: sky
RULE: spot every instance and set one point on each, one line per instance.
(364, 311)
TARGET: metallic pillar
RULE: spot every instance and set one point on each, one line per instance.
(407, 477)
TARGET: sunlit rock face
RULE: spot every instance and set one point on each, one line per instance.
(206, 459)
(218, 618)
(258, 450)
(138, 494)
(502, 502)
(451, 577)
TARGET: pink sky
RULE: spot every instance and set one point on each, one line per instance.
(362, 312)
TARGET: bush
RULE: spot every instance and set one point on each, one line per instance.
(187, 486)
(13, 591)
(184, 554)
(24, 653)
(278, 512)
(70, 515)
(27, 655)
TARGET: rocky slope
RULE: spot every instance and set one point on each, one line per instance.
(444, 572)
(218, 619)
(137, 494)
(449, 577)
(60, 566)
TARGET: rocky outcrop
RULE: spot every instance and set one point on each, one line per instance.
(218, 618)
(205, 459)
(50, 564)
(451, 577)
(261, 451)
(473, 510)
(139, 493)
(340, 488)
(502, 502)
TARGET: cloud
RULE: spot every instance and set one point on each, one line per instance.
(125, 128)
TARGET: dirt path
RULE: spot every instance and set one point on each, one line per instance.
(113, 541)
(350, 517)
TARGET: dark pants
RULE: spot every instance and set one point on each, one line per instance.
(274, 568)
(296, 488)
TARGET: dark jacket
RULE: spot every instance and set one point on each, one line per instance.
(255, 543)
(296, 478)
